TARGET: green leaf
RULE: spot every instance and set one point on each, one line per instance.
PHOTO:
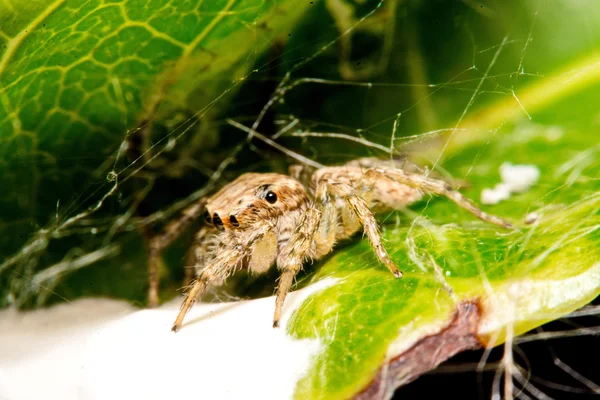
(520, 278)
(77, 78)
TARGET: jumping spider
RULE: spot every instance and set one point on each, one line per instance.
(259, 219)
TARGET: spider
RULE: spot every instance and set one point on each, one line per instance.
(265, 218)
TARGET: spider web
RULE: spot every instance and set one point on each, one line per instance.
(374, 80)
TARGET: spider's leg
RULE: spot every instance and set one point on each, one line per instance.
(358, 206)
(292, 256)
(195, 257)
(327, 232)
(158, 243)
(434, 186)
(229, 254)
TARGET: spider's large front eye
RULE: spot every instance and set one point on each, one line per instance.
(208, 218)
(271, 197)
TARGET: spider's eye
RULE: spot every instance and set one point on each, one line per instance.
(218, 222)
(271, 197)
(208, 218)
(233, 220)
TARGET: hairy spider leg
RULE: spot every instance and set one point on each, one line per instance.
(196, 255)
(227, 256)
(358, 213)
(433, 186)
(292, 256)
(158, 243)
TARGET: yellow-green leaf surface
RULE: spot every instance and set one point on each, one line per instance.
(521, 278)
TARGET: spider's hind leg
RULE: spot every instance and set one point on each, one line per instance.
(434, 186)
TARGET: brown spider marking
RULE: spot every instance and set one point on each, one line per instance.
(261, 219)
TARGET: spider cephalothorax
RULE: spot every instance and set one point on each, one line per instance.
(253, 197)
(261, 219)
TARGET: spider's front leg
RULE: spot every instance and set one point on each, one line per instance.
(292, 256)
(158, 243)
(230, 252)
(434, 186)
(197, 254)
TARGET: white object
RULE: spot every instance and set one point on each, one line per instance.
(519, 177)
(499, 193)
(515, 179)
(105, 349)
